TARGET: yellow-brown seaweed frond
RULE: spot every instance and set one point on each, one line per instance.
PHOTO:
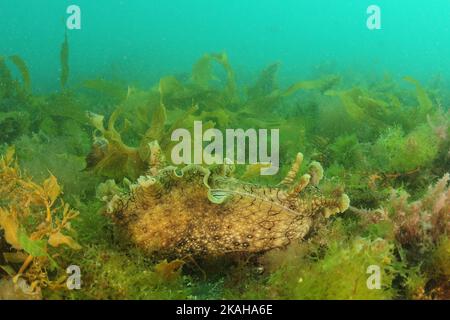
(362, 107)
(322, 84)
(266, 83)
(35, 222)
(6, 80)
(23, 69)
(265, 94)
(425, 104)
(117, 91)
(156, 130)
(110, 156)
(202, 73)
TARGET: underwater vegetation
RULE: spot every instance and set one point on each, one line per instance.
(36, 224)
(86, 179)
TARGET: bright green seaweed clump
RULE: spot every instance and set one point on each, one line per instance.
(400, 153)
(339, 274)
(385, 142)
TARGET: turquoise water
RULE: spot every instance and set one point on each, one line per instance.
(142, 40)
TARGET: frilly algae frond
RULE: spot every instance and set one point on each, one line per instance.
(203, 74)
(10, 87)
(112, 157)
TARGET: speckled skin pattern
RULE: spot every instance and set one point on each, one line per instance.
(197, 212)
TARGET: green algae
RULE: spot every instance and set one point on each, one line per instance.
(6, 80)
(402, 153)
(340, 268)
(425, 103)
(22, 67)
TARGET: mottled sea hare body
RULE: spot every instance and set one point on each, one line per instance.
(194, 211)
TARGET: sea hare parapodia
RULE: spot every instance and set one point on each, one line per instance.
(194, 211)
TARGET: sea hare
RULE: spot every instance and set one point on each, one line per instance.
(202, 211)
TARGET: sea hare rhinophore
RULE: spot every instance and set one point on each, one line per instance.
(201, 212)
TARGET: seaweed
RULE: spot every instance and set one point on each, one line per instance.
(324, 84)
(22, 67)
(420, 230)
(363, 108)
(266, 82)
(425, 104)
(110, 156)
(112, 92)
(202, 74)
(13, 125)
(6, 80)
(36, 223)
(10, 88)
(114, 274)
(64, 60)
(63, 156)
(113, 158)
(425, 221)
(398, 153)
(339, 274)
